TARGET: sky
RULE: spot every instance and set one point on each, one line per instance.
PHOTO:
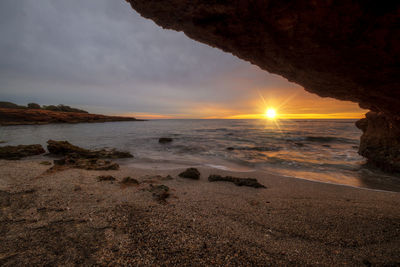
(102, 56)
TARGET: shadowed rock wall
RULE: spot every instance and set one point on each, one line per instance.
(348, 50)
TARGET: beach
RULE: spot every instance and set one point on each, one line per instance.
(69, 217)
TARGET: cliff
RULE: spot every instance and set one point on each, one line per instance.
(10, 116)
(348, 50)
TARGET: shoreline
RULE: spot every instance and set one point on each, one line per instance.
(14, 117)
(292, 221)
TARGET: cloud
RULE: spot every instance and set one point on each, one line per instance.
(102, 55)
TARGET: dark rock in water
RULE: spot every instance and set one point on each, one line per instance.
(164, 140)
(299, 144)
(65, 148)
(326, 145)
(87, 164)
(191, 173)
(380, 142)
(129, 181)
(251, 182)
(160, 192)
(45, 163)
(102, 178)
(21, 151)
(230, 148)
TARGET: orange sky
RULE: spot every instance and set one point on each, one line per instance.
(293, 104)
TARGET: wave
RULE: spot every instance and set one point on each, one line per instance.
(256, 148)
(328, 139)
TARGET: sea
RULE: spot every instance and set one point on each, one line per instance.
(318, 150)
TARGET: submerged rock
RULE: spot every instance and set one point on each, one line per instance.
(191, 173)
(21, 151)
(65, 148)
(251, 182)
(164, 140)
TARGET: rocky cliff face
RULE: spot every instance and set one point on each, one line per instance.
(380, 143)
(348, 50)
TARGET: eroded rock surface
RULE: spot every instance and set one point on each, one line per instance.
(380, 142)
(65, 148)
(21, 151)
(348, 50)
(250, 182)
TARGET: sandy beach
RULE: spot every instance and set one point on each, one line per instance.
(69, 218)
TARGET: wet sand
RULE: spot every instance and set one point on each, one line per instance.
(69, 217)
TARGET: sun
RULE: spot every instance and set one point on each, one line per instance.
(270, 113)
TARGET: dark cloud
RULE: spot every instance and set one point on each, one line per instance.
(100, 54)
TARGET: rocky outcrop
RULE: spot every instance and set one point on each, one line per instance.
(380, 142)
(14, 116)
(92, 164)
(67, 149)
(348, 50)
(21, 151)
(190, 173)
(250, 182)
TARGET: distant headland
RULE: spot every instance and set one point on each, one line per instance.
(13, 114)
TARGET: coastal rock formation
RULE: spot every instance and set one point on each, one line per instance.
(250, 182)
(92, 164)
(14, 116)
(380, 143)
(191, 173)
(348, 50)
(65, 148)
(21, 151)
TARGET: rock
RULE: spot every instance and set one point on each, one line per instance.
(164, 140)
(45, 163)
(316, 44)
(87, 164)
(102, 178)
(21, 151)
(65, 148)
(129, 181)
(191, 173)
(230, 148)
(160, 192)
(380, 141)
(251, 182)
(77, 188)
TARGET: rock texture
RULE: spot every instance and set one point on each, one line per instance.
(380, 142)
(67, 149)
(21, 151)
(11, 116)
(250, 182)
(348, 50)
